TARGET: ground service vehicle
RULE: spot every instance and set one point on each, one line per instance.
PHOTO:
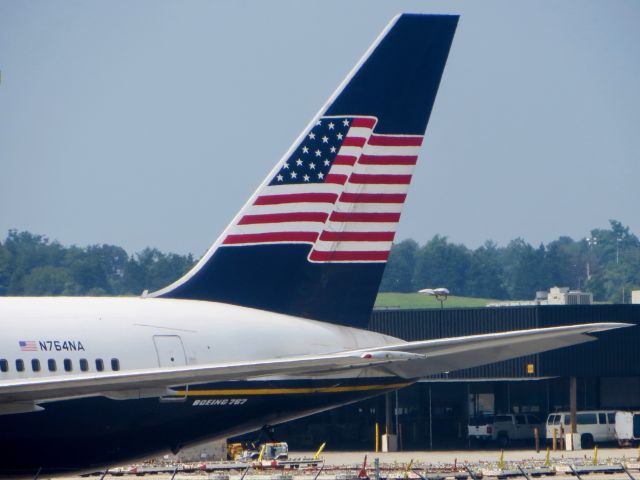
(594, 426)
(504, 428)
(627, 428)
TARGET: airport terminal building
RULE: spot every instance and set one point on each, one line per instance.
(434, 412)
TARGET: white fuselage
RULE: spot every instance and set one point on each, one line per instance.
(126, 329)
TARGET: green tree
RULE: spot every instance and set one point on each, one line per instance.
(398, 274)
(442, 264)
(486, 276)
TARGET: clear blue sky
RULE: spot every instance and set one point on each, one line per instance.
(149, 123)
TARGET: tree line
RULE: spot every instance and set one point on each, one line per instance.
(607, 263)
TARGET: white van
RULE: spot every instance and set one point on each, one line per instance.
(594, 426)
(628, 428)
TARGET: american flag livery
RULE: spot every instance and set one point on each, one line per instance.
(28, 346)
(341, 190)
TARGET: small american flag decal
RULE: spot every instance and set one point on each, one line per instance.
(28, 346)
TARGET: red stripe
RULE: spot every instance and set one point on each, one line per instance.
(348, 256)
(296, 198)
(344, 160)
(363, 122)
(271, 237)
(353, 142)
(364, 217)
(373, 197)
(395, 141)
(283, 217)
(357, 236)
(388, 159)
(335, 178)
(380, 179)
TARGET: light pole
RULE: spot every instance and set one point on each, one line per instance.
(592, 241)
(618, 240)
(440, 293)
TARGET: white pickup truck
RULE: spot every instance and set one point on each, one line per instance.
(503, 428)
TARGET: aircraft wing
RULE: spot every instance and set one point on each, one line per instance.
(406, 359)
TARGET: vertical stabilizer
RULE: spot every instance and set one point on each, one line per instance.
(314, 238)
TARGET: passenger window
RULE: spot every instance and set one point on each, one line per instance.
(99, 364)
(4, 365)
(567, 419)
(84, 365)
(611, 416)
(556, 420)
(115, 364)
(20, 365)
(586, 419)
(35, 365)
(602, 418)
(52, 365)
(68, 366)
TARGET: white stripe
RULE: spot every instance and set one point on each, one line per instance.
(360, 226)
(341, 170)
(369, 207)
(391, 150)
(359, 132)
(289, 208)
(277, 227)
(383, 169)
(323, 246)
(375, 188)
(350, 151)
(301, 188)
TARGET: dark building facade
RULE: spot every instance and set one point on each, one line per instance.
(434, 412)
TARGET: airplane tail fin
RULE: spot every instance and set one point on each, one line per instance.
(314, 238)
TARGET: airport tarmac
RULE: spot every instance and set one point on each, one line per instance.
(483, 463)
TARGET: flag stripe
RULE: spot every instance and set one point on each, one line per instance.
(388, 159)
(380, 179)
(356, 236)
(284, 217)
(348, 256)
(345, 160)
(296, 198)
(363, 122)
(354, 142)
(364, 217)
(372, 197)
(395, 141)
(336, 178)
(271, 237)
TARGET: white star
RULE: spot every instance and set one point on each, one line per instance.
(294, 174)
(318, 123)
(345, 122)
(339, 136)
(305, 150)
(286, 165)
(312, 166)
(298, 162)
(312, 136)
(320, 175)
(331, 125)
(318, 153)
(327, 163)
(325, 139)
(279, 177)
(333, 149)
(306, 178)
